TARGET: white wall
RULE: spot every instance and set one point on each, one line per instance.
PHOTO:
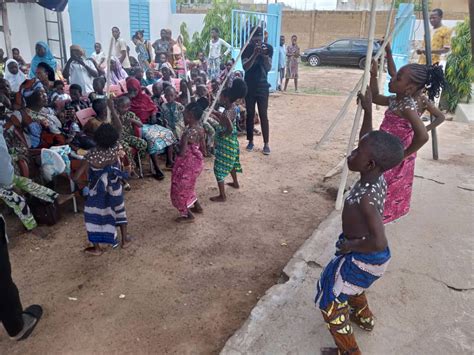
(27, 23)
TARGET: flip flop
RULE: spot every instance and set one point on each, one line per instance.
(36, 311)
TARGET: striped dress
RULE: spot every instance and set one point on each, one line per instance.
(105, 207)
(227, 148)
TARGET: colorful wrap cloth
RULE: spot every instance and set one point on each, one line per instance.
(349, 274)
(105, 207)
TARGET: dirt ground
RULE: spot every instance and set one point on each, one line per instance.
(187, 288)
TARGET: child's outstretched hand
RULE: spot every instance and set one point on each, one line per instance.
(365, 99)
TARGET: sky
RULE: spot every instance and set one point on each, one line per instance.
(306, 4)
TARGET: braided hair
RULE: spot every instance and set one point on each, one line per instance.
(237, 91)
(429, 77)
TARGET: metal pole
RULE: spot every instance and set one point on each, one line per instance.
(62, 40)
(355, 127)
(426, 24)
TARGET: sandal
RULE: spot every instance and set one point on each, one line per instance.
(35, 311)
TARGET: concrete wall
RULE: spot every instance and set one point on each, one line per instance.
(317, 28)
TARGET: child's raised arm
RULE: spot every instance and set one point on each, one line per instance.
(366, 103)
(374, 86)
(115, 119)
(391, 67)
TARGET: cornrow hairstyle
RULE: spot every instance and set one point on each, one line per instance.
(237, 91)
(429, 77)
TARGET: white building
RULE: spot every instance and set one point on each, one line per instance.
(89, 21)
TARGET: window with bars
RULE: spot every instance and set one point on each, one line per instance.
(140, 17)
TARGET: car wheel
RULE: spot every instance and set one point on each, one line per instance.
(362, 63)
(314, 61)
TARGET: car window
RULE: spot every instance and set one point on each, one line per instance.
(359, 44)
(344, 44)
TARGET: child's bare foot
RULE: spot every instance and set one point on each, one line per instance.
(62, 199)
(219, 198)
(329, 351)
(94, 250)
(127, 241)
(197, 208)
(235, 185)
(185, 219)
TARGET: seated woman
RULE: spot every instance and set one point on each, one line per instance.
(13, 75)
(41, 126)
(159, 139)
(117, 73)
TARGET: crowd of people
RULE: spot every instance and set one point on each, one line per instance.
(69, 123)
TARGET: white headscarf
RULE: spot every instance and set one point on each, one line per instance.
(15, 80)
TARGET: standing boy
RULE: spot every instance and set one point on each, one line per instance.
(362, 252)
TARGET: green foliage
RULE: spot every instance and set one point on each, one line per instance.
(459, 68)
(220, 16)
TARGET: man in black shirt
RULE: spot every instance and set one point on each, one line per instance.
(257, 62)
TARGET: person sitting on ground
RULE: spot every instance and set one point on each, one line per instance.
(99, 56)
(104, 208)
(172, 112)
(19, 59)
(77, 101)
(58, 93)
(157, 97)
(80, 70)
(14, 76)
(150, 77)
(99, 86)
(166, 75)
(185, 94)
(138, 74)
(188, 165)
(362, 252)
(227, 159)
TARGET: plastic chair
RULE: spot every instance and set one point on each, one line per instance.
(123, 85)
(85, 115)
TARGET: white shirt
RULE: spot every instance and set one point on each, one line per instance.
(215, 48)
(79, 75)
(98, 57)
(121, 45)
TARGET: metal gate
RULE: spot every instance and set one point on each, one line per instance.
(401, 43)
(242, 23)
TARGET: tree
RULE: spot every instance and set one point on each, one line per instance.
(459, 68)
(219, 16)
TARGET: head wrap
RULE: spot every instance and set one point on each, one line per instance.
(48, 58)
(142, 105)
(117, 74)
(15, 80)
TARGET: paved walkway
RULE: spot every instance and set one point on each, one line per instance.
(423, 303)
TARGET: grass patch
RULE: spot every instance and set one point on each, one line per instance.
(322, 91)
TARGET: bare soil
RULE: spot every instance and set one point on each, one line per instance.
(187, 288)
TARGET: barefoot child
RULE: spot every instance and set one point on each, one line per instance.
(188, 165)
(362, 252)
(402, 120)
(227, 145)
(104, 208)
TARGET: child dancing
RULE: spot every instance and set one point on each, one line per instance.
(362, 252)
(227, 145)
(188, 165)
(104, 208)
(402, 120)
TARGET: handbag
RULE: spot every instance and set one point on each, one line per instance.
(44, 212)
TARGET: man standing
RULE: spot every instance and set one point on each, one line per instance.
(257, 62)
(120, 47)
(440, 38)
(281, 61)
(18, 323)
(80, 70)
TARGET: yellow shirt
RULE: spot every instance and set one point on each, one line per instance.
(440, 38)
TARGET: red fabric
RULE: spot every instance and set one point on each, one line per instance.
(142, 105)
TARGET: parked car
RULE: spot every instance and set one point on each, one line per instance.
(346, 51)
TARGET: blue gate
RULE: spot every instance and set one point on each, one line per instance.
(401, 43)
(242, 23)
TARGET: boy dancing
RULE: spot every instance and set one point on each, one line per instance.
(362, 252)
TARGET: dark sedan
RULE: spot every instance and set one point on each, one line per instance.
(347, 51)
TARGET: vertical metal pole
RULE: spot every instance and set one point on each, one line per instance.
(6, 31)
(62, 39)
(426, 24)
